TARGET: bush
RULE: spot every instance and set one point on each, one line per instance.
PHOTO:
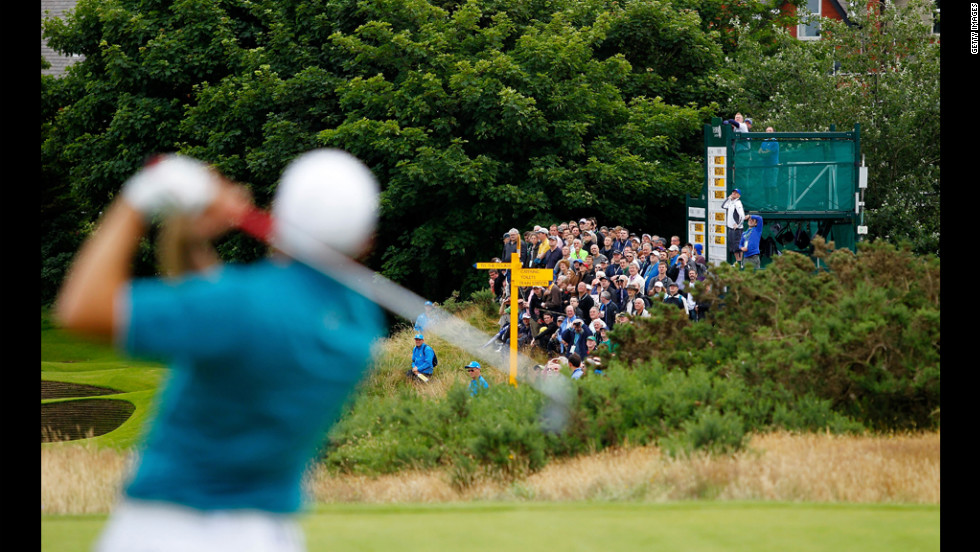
(708, 431)
(811, 413)
(487, 301)
(496, 434)
(863, 335)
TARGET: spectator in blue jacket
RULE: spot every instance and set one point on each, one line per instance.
(574, 338)
(525, 331)
(476, 380)
(422, 359)
(425, 318)
(750, 241)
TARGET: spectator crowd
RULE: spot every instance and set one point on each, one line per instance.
(603, 276)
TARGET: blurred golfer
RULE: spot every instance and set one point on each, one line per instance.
(262, 356)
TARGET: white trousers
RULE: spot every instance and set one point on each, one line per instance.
(136, 526)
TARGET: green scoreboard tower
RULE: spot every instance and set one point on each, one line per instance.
(803, 184)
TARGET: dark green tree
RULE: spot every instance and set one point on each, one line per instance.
(61, 219)
(476, 116)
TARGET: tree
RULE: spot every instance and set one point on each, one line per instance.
(881, 71)
(61, 219)
(476, 116)
(485, 132)
(757, 21)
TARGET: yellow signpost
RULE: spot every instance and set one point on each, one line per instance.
(519, 277)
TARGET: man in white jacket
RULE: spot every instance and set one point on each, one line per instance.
(734, 216)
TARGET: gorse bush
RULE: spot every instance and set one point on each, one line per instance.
(486, 301)
(808, 412)
(848, 349)
(863, 335)
(708, 431)
(495, 434)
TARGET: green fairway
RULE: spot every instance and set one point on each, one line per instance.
(755, 527)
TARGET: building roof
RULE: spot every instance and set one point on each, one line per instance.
(58, 61)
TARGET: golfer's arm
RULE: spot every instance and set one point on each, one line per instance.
(85, 303)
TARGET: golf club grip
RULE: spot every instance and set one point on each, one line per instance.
(258, 224)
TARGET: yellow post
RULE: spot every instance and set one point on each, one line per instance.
(518, 277)
(514, 266)
(515, 262)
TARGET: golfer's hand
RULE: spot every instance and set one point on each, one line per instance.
(230, 204)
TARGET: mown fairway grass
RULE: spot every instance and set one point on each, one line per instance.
(688, 526)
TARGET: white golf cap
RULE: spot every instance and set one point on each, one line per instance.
(325, 197)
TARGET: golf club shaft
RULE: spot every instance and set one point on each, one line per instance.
(408, 305)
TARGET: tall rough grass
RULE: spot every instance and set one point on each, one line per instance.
(785, 467)
(80, 479)
(393, 356)
(780, 466)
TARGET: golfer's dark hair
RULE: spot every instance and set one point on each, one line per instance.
(574, 360)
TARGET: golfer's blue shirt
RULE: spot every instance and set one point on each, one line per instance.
(262, 358)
